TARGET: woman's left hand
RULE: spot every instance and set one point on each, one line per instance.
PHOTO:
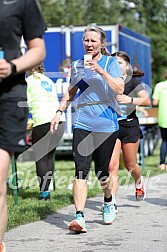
(123, 99)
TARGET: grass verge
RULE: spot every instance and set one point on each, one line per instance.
(30, 209)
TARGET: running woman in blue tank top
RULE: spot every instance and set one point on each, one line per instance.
(95, 125)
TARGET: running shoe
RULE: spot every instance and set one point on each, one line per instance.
(78, 225)
(116, 208)
(109, 213)
(140, 191)
(115, 205)
(44, 196)
(2, 247)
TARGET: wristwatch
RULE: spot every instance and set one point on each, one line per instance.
(13, 68)
(59, 110)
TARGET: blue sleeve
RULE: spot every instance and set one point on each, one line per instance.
(114, 68)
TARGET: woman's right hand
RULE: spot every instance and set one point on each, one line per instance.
(123, 99)
(54, 123)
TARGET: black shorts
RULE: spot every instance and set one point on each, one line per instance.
(130, 134)
(88, 145)
(13, 122)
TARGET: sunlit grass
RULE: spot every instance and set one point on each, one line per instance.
(30, 209)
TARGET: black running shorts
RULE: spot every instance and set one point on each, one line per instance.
(13, 122)
(130, 134)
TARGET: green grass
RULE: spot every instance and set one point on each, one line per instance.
(30, 209)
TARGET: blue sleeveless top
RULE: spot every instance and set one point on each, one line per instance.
(97, 107)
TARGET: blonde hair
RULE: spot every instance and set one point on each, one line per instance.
(37, 69)
(102, 34)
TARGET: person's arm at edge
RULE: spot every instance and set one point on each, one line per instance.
(34, 55)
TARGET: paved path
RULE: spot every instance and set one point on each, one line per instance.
(139, 226)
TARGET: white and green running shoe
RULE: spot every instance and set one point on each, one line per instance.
(78, 225)
(115, 205)
(109, 213)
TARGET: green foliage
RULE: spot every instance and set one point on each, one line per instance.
(155, 14)
(102, 12)
(63, 12)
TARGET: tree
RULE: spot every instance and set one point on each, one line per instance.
(146, 17)
(63, 12)
(155, 15)
(102, 12)
(149, 18)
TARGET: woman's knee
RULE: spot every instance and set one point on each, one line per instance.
(132, 167)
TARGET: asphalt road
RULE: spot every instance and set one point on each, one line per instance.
(138, 227)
